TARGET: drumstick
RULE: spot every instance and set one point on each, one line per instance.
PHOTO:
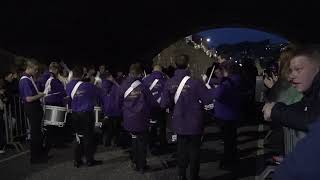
(53, 94)
(211, 74)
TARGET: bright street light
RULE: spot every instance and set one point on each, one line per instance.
(208, 39)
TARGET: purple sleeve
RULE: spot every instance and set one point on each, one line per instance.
(204, 94)
(218, 92)
(26, 89)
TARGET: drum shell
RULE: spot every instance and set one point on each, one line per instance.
(55, 114)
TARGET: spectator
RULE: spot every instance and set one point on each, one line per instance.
(303, 162)
(304, 76)
(2, 123)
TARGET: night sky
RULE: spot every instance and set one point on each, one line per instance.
(236, 35)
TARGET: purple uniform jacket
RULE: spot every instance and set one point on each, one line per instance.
(228, 99)
(158, 88)
(26, 88)
(136, 106)
(56, 87)
(110, 99)
(85, 98)
(188, 112)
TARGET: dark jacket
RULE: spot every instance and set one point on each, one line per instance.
(303, 162)
(158, 88)
(228, 99)
(110, 101)
(136, 106)
(188, 112)
(299, 115)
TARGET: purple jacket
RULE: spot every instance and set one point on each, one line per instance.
(136, 106)
(188, 112)
(228, 99)
(85, 98)
(26, 88)
(56, 87)
(110, 99)
(158, 88)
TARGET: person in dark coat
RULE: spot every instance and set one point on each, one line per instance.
(227, 110)
(137, 102)
(111, 110)
(188, 120)
(83, 97)
(305, 77)
(31, 99)
(303, 162)
(155, 82)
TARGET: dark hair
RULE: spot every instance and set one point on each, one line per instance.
(29, 63)
(77, 72)
(182, 61)
(224, 55)
(230, 66)
(54, 65)
(135, 69)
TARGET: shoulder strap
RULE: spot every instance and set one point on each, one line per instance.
(154, 83)
(33, 83)
(48, 85)
(75, 89)
(132, 87)
(179, 90)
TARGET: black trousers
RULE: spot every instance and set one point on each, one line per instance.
(111, 128)
(83, 124)
(34, 113)
(158, 130)
(229, 131)
(189, 154)
(139, 149)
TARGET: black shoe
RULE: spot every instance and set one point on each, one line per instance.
(143, 170)
(39, 161)
(77, 164)
(228, 166)
(182, 178)
(94, 163)
(134, 166)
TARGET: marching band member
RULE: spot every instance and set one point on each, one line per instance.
(83, 96)
(182, 94)
(136, 101)
(111, 110)
(32, 105)
(155, 82)
(54, 87)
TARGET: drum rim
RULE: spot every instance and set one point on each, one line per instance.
(97, 108)
(55, 108)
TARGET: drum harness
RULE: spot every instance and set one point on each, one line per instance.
(126, 94)
(73, 92)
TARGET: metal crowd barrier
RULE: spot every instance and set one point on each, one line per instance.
(291, 138)
(17, 127)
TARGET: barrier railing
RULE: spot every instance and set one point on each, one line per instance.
(291, 138)
(17, 127)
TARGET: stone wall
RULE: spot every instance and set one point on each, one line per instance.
(199, 61)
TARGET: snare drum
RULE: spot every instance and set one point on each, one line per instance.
(55, 116)
(98, 116)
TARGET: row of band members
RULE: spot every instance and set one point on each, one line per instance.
(136, 100)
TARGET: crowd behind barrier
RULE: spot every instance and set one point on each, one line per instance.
(17, 126)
